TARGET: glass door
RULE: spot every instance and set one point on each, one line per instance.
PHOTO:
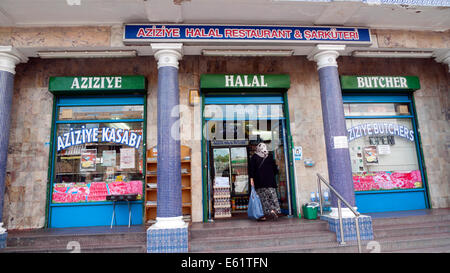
(239, 171)
(229, 158)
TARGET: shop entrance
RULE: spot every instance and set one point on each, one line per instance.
(232, 133)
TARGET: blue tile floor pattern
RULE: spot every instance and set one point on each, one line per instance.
(349, 227)
(3, 238)
(174, 240)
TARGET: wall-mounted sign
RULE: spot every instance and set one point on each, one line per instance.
(96, 83)
(298, 152)
(90, 135)
(228, 33)
(380, 82)
(380, 128)
(230, 81)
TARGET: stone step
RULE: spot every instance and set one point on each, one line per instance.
(395, 244)
(84, 239)
(329, 246)
(260, 241)
(243, 228)
(111, 248)
(90, 239)
(436, 249)
(403, 243)
(415, 229)
(377, 222)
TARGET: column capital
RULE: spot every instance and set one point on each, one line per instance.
(325, 55)
(443, 57)
(9, 58)
(167, 54)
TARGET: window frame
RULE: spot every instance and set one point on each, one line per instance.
(93, 100)
(381, 97)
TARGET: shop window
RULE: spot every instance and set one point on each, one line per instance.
(383, 146)
(243, 111)
(98, 152)
(377, 109)
(101, 112)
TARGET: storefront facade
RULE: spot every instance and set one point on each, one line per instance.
(302, 99)
(387, 164)
(391, 113)
(97, 149)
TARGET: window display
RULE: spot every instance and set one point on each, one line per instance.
(382, 150)
(96, 159)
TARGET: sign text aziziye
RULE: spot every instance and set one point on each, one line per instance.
(97, 83)
(198, 33)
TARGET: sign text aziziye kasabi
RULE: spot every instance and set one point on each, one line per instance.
(183, 33)
(91, 135)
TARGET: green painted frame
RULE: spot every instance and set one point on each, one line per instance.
(52, 134)
(221, 91)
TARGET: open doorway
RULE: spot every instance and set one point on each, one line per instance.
(231, 139)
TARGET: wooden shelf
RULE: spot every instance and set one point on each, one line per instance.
(151, 165)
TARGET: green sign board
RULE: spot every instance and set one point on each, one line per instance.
(380, 83)
(244, 81)
(96, 84)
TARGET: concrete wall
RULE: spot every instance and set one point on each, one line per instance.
(28, 158)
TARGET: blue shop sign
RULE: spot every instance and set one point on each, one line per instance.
(228, 33)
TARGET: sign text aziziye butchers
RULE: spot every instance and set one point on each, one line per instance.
(186, 33)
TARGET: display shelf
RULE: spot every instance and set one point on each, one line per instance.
(222, 206)
(152, 177)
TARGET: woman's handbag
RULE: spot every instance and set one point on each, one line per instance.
(255, 210)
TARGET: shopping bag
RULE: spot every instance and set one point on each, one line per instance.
(255, 210)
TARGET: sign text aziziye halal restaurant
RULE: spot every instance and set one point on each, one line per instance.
(198, 33)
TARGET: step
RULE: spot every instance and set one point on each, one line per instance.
(377, 222)
(406, 244)
(415, 229)
(208, 230)
(112, 248)
(260, 241)
(62, 240)
(412, 242)
(326, 247)
(438, 249)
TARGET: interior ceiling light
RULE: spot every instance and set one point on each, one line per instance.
(247, 53)
(87, 54)
(393, 54)
(73, 2)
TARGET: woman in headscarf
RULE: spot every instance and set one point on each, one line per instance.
(262, 171)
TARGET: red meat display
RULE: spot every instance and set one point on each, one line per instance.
(387, 181)
(95, 191)
(120, 187)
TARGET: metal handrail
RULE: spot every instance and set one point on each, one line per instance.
(340, 199)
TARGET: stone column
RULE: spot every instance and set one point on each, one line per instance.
(9, 58)
(338, 155)
(169, 233)
(336, 142)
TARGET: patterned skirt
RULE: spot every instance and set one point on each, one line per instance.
(269, 200)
